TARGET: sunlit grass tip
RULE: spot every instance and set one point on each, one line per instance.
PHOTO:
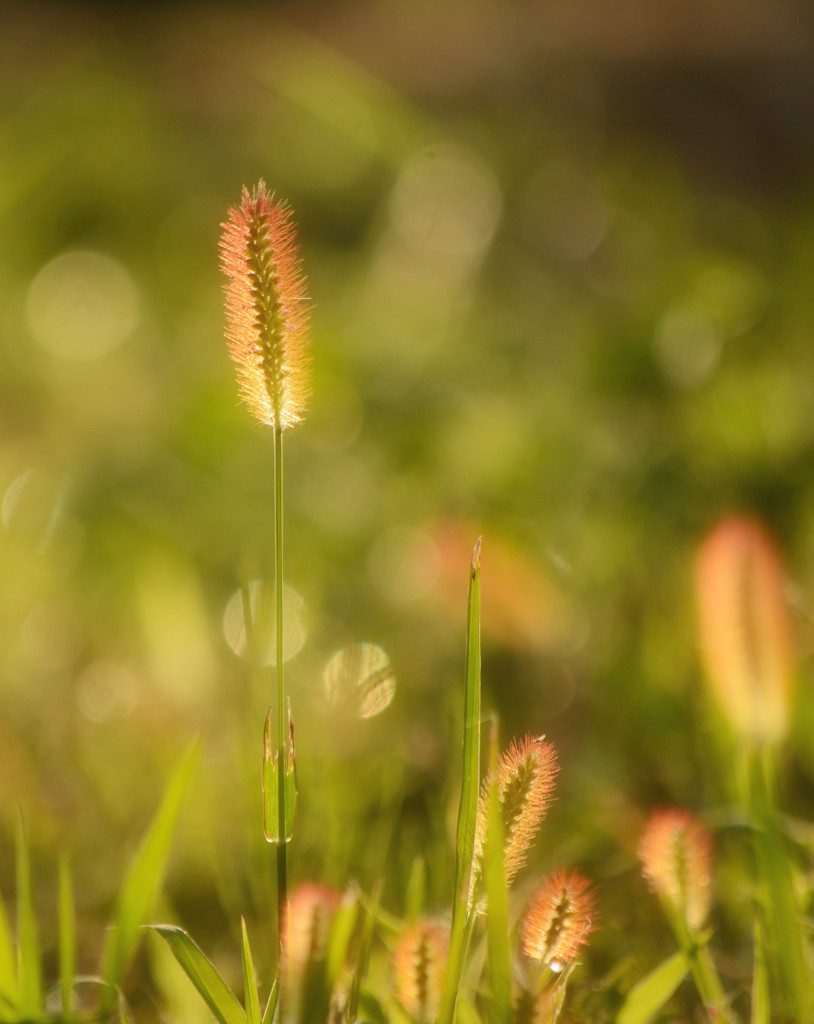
(559, 919)
(526, 774)
(675, 851)
(419, 962)
(744, 628)
(267, 311)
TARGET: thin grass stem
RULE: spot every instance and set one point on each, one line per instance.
(279, 695)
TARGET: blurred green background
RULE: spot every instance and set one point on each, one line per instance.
(561, 260)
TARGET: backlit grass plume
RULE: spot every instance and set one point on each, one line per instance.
(266, 307)
(525, 774)
(676, 855)
(559, 919)
(744, 630)
(267, 321)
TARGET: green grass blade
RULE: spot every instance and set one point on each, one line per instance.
(271, 1005)
(470, 781)
(784, 914)
(343, 926)
(67, 936)
(362, 958)
(29, 964)
(249, 981)
(8, 966)
(761, 1001)
(416, 894)
(470, 788)
(202, 973)
(497, 919)
(146, 871)
(648, 996)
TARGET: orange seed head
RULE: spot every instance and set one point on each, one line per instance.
(308, 915)
(419, 963)
(676, 855)
(266, 307)
(559, 919)
(744, 629)
(525, 774)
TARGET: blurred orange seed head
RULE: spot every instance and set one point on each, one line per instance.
(559, 919)
(419, 963)
(744, 628)
(676, 855)
(266, 307)
(308, 915)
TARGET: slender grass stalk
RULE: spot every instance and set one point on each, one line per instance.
(279, 695)
(267, 321)
(782, 913)
(66, 936)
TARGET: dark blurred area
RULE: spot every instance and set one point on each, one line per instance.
(560, 257)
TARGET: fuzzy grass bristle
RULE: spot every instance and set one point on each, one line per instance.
(559, 919)
(267, 310)
(676, 855)
(744, 629)
(526, 773)
(419, 962)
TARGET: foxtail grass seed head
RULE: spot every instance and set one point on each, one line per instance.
(676, 855)
(559, 919)
(419, 963)
(744, 629)
(266, 307)
(526, 773)
(308, 915)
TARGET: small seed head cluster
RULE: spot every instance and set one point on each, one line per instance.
(559, 919)
(676, 855)
(419, 962)
(266, 307)
(526, 774)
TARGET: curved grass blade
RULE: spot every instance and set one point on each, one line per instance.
(28, 948)
(249, 982)
(470, 790)
(144, 877)
(648, 996)
(202, 973)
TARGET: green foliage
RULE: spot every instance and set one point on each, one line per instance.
(651, 993)
(564, 303)
(22, 992)
(140, 888)
(203, 975)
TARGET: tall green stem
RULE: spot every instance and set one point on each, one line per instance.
(279, 695)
